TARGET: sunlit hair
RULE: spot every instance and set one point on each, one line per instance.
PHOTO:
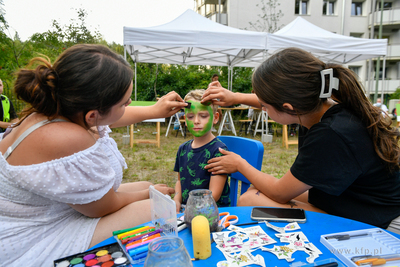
(293, 76)
(84, 77)
(196, 96)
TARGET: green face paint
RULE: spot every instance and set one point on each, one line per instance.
(196, 112)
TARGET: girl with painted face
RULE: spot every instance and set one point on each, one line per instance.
(193, 155)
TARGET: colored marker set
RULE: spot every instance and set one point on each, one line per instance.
(135, 241)
(106, 256)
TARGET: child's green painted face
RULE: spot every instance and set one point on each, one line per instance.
(199, 118)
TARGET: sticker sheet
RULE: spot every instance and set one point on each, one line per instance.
(237, 244)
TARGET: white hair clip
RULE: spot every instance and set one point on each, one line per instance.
(333, 83)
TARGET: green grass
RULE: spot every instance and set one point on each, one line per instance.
(147, 162)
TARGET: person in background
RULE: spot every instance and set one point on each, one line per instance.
(193, 155)
(61, 188)
(382, 106)
(214, 78)
(348, 162)
(7, 113)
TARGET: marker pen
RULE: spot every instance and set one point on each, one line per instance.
(134, 252)
(134, 239)
(130, 231)
(142, 242)
(140, 256)
(120, 236)
(125, 230)
(137, 235)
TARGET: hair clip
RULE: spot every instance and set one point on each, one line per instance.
(333, 83)
(189, 104)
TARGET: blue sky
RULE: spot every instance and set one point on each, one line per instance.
(108, 17)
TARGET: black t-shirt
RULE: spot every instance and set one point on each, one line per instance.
(13, 115)
(338, 159)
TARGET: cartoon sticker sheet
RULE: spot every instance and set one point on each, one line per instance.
(237, 244)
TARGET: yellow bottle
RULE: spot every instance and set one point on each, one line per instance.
(201, 237)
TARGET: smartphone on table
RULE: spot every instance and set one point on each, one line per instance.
(278, 214)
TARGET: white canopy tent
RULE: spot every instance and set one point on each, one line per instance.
(195, 40)
(328, 46)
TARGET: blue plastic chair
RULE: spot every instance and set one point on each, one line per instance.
(252, 151)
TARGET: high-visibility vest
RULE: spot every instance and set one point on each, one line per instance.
(6, 108)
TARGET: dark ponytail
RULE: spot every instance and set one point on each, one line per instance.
(85, 77)
(294, 76)
(38, 87)
(352, 96)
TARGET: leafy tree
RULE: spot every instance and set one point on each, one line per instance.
(268, 21)
(396, 94)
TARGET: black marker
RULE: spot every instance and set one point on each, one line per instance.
(331, 264)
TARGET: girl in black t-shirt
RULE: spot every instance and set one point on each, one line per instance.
(348, 160)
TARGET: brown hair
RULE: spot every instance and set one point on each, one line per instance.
(85, 77)
(293, 76)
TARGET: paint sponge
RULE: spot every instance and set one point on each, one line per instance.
(201, 237)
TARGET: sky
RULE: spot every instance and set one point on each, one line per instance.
(107, 16)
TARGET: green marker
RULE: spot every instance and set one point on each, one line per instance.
(125, 230)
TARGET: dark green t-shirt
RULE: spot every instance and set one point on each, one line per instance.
(190, 164)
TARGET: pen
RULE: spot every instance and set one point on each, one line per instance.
(343, 237)
(138, 235)
(142, 241)
(241, 224)
(120, 236)
(133, 239)
(139, 256)
(331, 264)
(377, 260)
(134, 252)
(347, 236)
(139, 232)
(125, 230)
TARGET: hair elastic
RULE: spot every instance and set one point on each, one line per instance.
(333, 83)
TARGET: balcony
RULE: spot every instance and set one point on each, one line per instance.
(391, 18)
(390, 86)
(215, 17)
(393, 52)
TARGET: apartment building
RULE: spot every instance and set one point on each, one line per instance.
(357, 18)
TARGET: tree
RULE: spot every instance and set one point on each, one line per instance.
(269, 19)
(396, 94)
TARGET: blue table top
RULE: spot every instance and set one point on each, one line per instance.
(317, 224)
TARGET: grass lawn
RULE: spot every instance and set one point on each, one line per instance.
(147, 162)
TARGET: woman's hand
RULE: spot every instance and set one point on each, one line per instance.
(218, 95)
(163, 188)
(228, 163)
(168, 105)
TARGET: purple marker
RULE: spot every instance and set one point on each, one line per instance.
(149, 234)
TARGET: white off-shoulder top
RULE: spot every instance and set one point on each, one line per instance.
(37, 226)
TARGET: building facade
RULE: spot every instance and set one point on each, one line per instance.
(357, 18)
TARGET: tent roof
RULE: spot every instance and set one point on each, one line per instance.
(195, 40)
(328, 46)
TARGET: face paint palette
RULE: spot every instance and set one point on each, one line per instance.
(107, 256)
